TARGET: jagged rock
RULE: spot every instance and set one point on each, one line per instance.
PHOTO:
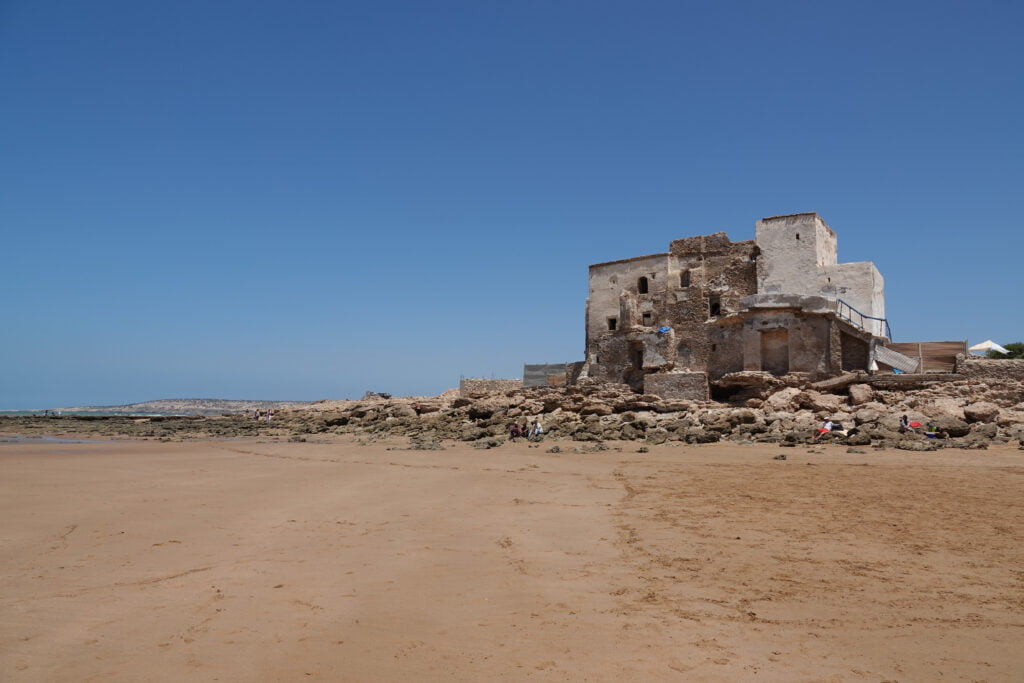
(916, 445)
(701, 436)
(593, 408)
(783, 400)
(858, 439)
(401, 411)
(747, 378)
(981, 411)
(427, 441)
(943, 407)
(951, 426)
(473, 433)
(673, 406)
(796, 437)
(986, 430)
(861, 394)
(742, 416)
(630, 432)
(816, 401)
(657, 435)
(877, 432)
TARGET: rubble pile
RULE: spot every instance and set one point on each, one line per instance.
(757, 408)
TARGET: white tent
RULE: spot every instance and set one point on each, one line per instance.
(986, 346)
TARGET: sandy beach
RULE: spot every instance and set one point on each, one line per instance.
(266, 561)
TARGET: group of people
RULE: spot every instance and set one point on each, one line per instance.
(906, 427)
(258, 415)
(525, 431)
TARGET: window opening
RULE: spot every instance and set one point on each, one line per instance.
(798, 237)
(612, 323)
(647, 319)
(715, 306)
(684, 278)
(641, 285)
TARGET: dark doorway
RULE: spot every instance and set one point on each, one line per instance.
(634, 375)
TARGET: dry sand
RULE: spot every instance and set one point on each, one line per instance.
(248, 561)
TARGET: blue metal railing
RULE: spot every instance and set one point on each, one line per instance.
(847, 313)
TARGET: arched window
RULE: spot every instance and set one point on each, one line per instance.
(684, 278)
(641, 285)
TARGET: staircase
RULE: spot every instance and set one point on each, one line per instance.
(884, 354)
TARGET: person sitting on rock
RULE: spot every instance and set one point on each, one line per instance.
(514, 432)
(905, 425)
(825, 428)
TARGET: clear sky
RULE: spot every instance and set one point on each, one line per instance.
(305, 200)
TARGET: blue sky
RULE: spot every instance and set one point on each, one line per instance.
(309, 200)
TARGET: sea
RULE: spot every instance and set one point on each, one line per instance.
(100, 413)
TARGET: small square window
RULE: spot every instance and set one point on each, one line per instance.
(613, 323)
(647, 319)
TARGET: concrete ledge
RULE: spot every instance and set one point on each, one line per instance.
(807, 304)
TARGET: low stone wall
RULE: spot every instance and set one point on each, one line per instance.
(469, 388)
(991, 369)
(692, 386)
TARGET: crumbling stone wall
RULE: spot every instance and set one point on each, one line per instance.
(715, 306)
(692, 386)
(470, 388)
(700, 280)
(1005, 370)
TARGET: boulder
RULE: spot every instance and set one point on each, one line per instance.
(917, 445)
(982, 411)
(782, 400)
(818, 402)
(861, 394)
(986, 430)
(859, 439)
(944, 406)
(595, 408)
(657, 435)
(951, 426)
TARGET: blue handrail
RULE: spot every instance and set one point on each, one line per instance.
(846, 312)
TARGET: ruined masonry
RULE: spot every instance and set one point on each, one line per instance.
(673, 324)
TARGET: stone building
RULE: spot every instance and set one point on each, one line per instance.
(780, 303)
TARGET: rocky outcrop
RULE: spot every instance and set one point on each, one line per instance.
(785, 412)
(971, 411)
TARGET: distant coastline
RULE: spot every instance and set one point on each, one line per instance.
(168, 407)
